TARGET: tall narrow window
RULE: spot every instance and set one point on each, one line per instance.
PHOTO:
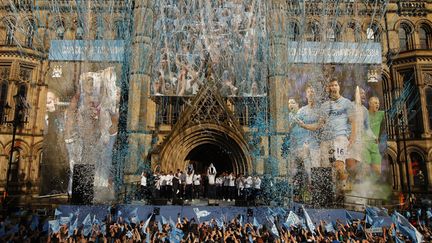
(428, 94)
(60, 29)
(413, 106)
(3, 99)
(10, 32)
(424, 37)
(314, 32)
(293, 32)
(120, 30)
(418, 169)
(31, 27)
(14, 169)
(373, 33)
(404, 37)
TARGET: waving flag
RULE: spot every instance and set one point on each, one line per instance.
(292, 219)
(176, 235)
(378, 223)
(348, 216)
(164, 221)
(54, 226)
(429, 214)
(406, 228)
(65, 220)
(57, 212)
(201, 214)
(73, 227)
(146, 223)
(256, 223)
(171, 222)
(309, 222)
(241, 220)
(369, 219)
(329, 228)
(274, 230)
(133, 213)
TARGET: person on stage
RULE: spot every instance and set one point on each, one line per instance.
(197, 185)
(211, 175)
(143, 186)
(189, 182)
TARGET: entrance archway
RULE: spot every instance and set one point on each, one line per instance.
(203, 155)
(205, 144)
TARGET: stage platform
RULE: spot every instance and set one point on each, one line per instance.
(205, 213)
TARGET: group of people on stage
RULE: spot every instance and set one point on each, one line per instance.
(189, 185)
(333, 131)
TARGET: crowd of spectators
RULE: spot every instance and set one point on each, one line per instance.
(278, 227)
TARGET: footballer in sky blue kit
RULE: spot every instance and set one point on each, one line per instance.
(338, 131)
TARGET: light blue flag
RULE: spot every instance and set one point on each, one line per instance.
(429, 214)
(274, 230)
(57, 212)
(329, 228)
(348, 216)
(378, 223)
(369, 219)
(134, 213)
(271, 212)
(250, 238)
(129, 234)
(309, 222)
(135, 220)
(103, 228)
(176, 235)
(73, 227)
(95, 220)
(87, 230)
(292, 219)
(397, 240)
(201, 214)
(159, 225)
(34, 222)
(241, 220)
(371, 211)
(146, 223)
(54, 226)
(164, 221)
(256, 223)
(65, 220)
(406, 228)
(171, 222)
(87, 220)
(219, 223)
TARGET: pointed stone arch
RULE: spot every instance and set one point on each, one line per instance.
(207, 120)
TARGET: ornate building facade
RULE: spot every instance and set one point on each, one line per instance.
(169, 131)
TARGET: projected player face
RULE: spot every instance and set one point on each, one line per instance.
(334, 89)
(293, 105)
(310, 94)
(51, 101)
(374, 104)
(88, 85)
(363, 96)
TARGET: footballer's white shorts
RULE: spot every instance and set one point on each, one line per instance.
(334, 150)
